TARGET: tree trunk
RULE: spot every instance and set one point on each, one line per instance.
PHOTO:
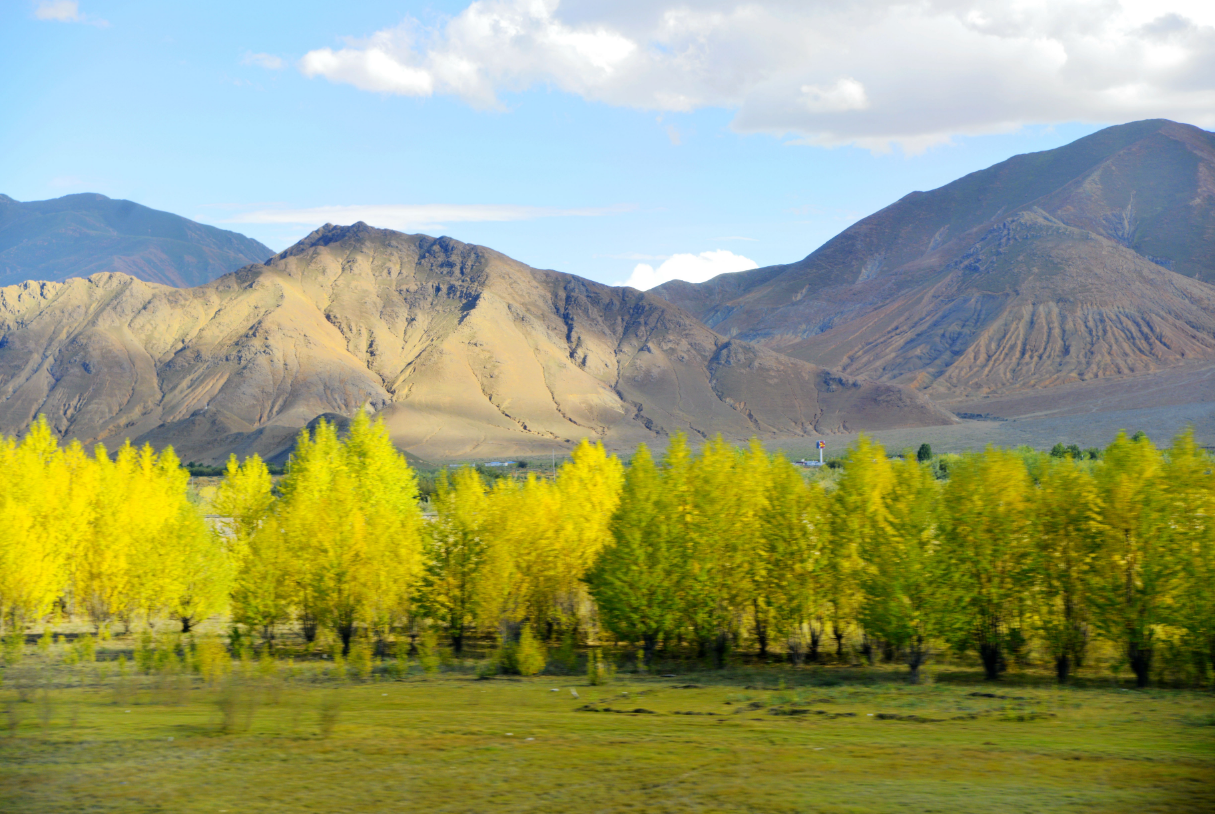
(839, 641)
(721, 646)
(649, 642)
(761, 631)
(917, 654)
(815, 637)
(186, 624)
(345, 630)
(1141, 663)
(993, 660)
(867, 650)
(1063, 668)
(308, 626)
(457, 640)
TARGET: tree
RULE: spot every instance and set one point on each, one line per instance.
(1138, 565)
(1065, 510)
(860, 521)
(924, 453)
(900, 580)
(264, 588)
(349, 512)
(985, 549)
(1190, 492)
(793, 524)
(38, 523)
(635, 577)
(456, 547)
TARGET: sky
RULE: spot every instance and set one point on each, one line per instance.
(627, 141)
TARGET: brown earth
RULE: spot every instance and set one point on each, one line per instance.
(1051, 269)
(463, 351)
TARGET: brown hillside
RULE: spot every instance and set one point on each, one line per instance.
(1084, 262)
(464, 351)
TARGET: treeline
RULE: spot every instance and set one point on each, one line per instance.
(717, 550)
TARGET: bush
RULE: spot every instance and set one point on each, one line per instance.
(598, 669)
(428, 652)
(530, 656)
(360, 659)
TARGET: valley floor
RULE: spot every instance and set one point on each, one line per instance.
(774, 739)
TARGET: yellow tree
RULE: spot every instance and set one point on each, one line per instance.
(588, 492)
(860, 521)
(1138, 565)
(1190, 492)
(714, 570)
(986, 552)
(793, 525)
(1065, 506)
(900, 575)
(38, 524)
(264, 588)
(349, 512)
(456, 545)
(100, 572)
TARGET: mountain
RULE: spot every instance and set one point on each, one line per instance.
(1089, 261)
(462, 350)
(80, 235)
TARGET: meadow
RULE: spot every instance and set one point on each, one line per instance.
(298, 734)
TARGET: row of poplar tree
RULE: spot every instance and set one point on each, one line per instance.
(711, 549)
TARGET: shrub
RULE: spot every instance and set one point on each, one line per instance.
(529, 654)
(360, 659)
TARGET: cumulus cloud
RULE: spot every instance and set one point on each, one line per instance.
(419, 217)
(868, 72)
(65, 11)
(693, 268)
(268, 61)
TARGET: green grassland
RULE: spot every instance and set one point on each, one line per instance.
(299, 737)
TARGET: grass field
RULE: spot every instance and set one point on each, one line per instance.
(764, 739)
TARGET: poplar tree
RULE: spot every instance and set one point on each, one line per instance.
(36, 524)
(1138, 565)
(456, 547)
(635, 577)
(985, 528)
(860, 521)
(793, 524)
(349, 511)
(1190, 488)
(1065, 508)
(900, 577)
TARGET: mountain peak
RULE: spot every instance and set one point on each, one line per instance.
(82, 234)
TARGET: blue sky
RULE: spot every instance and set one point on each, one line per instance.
(585, 136)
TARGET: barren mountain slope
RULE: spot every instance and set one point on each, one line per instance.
(80, 235)
(1060, 266)
(465, 351)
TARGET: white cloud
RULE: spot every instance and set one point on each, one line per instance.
(65, 11)
(268, 61)
(420, 217)
(694, 268)
(867, 72)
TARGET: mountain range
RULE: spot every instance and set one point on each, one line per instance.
(80, 235)
(1086, 262)
(462, 350)
(1075, 282)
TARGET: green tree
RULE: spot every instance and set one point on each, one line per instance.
(1138, 565)
(924, 453)
(456, 548)
(986, 553)
(1065, 509)
(900, 580)
(635, 578)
